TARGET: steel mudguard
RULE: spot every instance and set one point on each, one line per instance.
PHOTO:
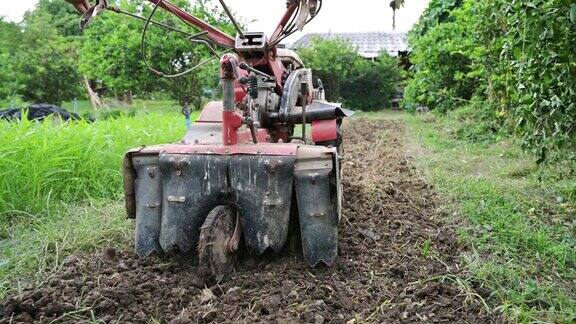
(262, 190)
(316, 179)
(148, 190)
(192, 186)
(172, 193)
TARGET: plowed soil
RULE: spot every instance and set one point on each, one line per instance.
(397, 263)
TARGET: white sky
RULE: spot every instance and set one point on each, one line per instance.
(336, 15)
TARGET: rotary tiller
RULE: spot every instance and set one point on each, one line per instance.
(241, 172)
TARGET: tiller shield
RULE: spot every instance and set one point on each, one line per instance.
(170, 190)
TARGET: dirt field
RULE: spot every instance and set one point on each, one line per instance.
(394, 250)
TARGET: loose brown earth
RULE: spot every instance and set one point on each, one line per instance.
(395, 249)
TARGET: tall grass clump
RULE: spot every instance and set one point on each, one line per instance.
(46, 162)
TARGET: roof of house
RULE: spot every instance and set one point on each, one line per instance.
(369, 44)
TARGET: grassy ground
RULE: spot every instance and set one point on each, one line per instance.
(60, 187)
(39, 245)
(83, 107)
(521, 217)
(42, 162)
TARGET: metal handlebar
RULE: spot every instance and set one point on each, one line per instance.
(293, 19)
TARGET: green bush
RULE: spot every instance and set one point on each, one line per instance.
(444, 74)
(373, 85)
(516, 56)
(348, 77)
(478, 121)
(36, 63)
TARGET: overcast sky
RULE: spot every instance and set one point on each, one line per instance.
(336, 16)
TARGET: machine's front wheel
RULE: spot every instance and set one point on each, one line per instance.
(214, 253)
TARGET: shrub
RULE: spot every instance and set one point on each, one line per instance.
(477, 121)
(348, 77)
(517, 56)
(373, 85)
(36, 63)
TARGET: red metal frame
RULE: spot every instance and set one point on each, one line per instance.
(232, 121)
(269, 61)
(248, 149)
(213, 33)
(286, 149)
(216, 35)
(287, 15)
(81, 5)
(212, 113)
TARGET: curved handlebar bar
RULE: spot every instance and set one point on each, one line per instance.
(296, 10)
(298, 14)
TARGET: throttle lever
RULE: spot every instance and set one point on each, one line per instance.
(92, 12)
(247, 67)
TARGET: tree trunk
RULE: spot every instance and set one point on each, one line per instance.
(94, 98)
(128, 97)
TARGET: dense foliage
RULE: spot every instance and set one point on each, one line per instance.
(112, 53)
(37, 63)
(46, 57)
(348, 77)
(8, 35)
(513, 60)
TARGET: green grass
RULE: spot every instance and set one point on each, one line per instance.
(39, 245)
(522, 230)
(60, 192)
(45, 162)
(61, 188)
(83, 107)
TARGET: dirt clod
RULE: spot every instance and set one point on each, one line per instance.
(381, 273)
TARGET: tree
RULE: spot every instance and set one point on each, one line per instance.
(348, 77)
(445, 71)
(111, 52)
(64, 17)
(395, 5)
(41, 59)
(43, 62)
(47, 62)
(514, 59)
(373, 84)
(37, 63)
(332, 61)
(9, 76)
